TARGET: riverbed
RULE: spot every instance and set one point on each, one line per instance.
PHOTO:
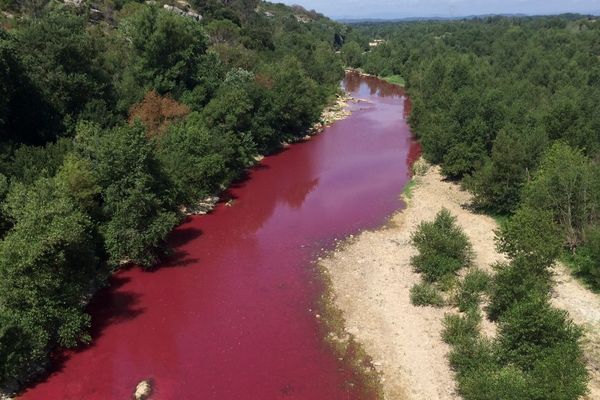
(231, 314)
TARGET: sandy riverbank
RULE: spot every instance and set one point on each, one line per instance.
(371, 278)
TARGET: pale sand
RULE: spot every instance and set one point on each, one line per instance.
(371, 277)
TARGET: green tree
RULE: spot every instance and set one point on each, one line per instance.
(48, 265)
(443, 247)
(352, 54)
(137, 201)
(167, 49)
(294, 114)
(565, 185)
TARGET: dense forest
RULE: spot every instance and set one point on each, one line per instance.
(510, 108)
(113, 116)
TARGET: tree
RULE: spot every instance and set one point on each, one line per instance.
(498, 184)
(443, 247)
(167, 48)
(157, 112)
(137, 207)
(352, 54)
(530, 234)
(65, 62)
(565, 185)
(196, 159)
(294, 114)
(48, 265)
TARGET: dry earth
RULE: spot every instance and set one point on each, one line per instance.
(371, 277)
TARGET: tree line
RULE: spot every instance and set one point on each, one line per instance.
(112, 119)
(510, 108)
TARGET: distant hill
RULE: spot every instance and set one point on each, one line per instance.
(352, 21)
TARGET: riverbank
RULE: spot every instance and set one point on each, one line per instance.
(371, 279)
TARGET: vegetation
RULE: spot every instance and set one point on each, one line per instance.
(112, 120)
(443, 247)
(425, 294)
(526, 359)
(395, 79)
(509, 107)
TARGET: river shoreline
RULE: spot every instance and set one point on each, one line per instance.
(371, 278)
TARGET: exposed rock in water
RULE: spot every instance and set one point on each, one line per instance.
(143, 390)
(203, 207)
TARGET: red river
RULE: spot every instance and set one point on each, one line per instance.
(231, 315)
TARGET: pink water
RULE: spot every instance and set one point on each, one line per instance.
(229, 317)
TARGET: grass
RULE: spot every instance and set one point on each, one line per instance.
(499, 218)
(425, 294)
(395, 80)
(570, 261)
(409, 188)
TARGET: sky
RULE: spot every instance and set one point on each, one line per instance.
(390, 9)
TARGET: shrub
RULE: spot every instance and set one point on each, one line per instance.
(512, 283)
(499, 383)
(473, 285)
(473, 355)
(587, 258)
(559, 371)
(443, 247)
(532, 327)
(425, 294)
(530, 234)
(461, 329)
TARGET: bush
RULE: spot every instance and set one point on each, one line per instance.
(512, 283)
(587, 258)
(473, 354)
(443, 247)
(499, 383)
(530, 234)
(532, 327)
(425, 294)
(461, 329)
(473, 285)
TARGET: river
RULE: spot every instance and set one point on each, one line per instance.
(231, 314)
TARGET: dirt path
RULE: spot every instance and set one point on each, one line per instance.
(372, 277)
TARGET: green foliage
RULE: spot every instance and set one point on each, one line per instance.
(587, 258)
(515, 282)
(532, 327)
(443, 247)
(296, 100)
(497, 185)
(425, 294)
(137, 210)
(65, 63)
(395, 80)
(461, 329)
(566, 185)
(352, 54)
(196, 159)
(471, 288)
(47, 264)
(530, 234)
(167, 49)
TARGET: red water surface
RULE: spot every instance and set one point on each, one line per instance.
(229, 316)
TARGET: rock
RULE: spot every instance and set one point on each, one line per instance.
(143, 390)
(189, 14)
